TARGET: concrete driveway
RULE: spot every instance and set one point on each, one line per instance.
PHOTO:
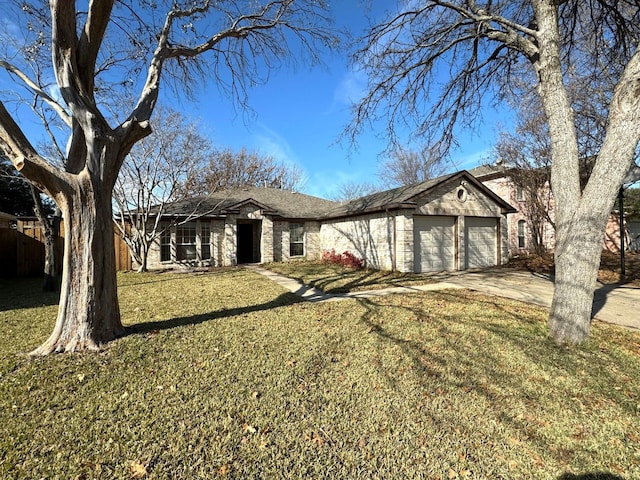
(616, 304)
(613, 303)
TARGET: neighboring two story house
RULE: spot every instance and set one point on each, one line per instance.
(528, 228)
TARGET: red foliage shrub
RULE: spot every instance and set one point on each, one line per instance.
(346, 259)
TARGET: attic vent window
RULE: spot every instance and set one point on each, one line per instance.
(462, 194)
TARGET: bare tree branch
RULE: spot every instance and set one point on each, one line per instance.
(38, 91)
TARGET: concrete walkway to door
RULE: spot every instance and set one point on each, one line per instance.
(617, 304)
(312, 294)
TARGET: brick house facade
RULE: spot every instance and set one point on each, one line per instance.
(452, 222)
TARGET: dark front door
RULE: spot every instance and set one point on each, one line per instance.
(248, 235)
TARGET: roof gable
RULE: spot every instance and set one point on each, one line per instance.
(235, 208)
(406, 196)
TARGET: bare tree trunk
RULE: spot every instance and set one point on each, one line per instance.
(50, 282)
(577, 261)
(145, 256)
(88, 313)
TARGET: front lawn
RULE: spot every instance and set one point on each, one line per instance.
(225, 374)
(333, 278)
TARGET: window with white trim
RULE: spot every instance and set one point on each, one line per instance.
(521, 233)
(296, 239)
(186, 241)
(205, 241)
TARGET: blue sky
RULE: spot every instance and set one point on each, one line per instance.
(298, 119)
(300, 114)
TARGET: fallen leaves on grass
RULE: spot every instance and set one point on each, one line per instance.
(223, 469)
(138, 469)
(462, 397)
(315, 438)
(249, 429)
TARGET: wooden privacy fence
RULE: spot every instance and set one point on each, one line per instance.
(22, 250)
(22, 256)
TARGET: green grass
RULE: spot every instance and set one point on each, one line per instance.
(226, 374)
(332, 278)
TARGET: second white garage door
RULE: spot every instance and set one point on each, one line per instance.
(481, 242)
(433, 243)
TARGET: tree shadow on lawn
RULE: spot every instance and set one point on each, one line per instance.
(323, 283)
(361, 279)
(282, 300)
(438, 374)
(18, 293)
(590, 476)
(133, 279)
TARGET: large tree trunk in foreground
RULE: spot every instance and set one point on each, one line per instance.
(581, 214)
(577, 260)
(88, 313)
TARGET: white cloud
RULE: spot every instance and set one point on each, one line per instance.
(351, 88)
(467, 161)
(271, 143)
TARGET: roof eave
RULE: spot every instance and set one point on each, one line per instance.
(385, 208)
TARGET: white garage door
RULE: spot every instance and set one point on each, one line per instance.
(433, 243)
(480, 235)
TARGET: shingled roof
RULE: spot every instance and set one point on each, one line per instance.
(288, 204)
(488, 172)
(484, 172)
(405, 197)
(274, 201)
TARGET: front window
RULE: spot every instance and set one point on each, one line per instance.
(521, 228)
(296, 239)
(165, 242)
(205, 241)
(519, 193)
(186, 241)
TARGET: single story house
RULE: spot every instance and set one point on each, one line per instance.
(452, 222)
(246, 225)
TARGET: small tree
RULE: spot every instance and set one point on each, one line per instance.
(152, 175)
(632, 202)
(526, 156)
(226, 169)
(19, 197)
(406, 167)
(50, 222)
